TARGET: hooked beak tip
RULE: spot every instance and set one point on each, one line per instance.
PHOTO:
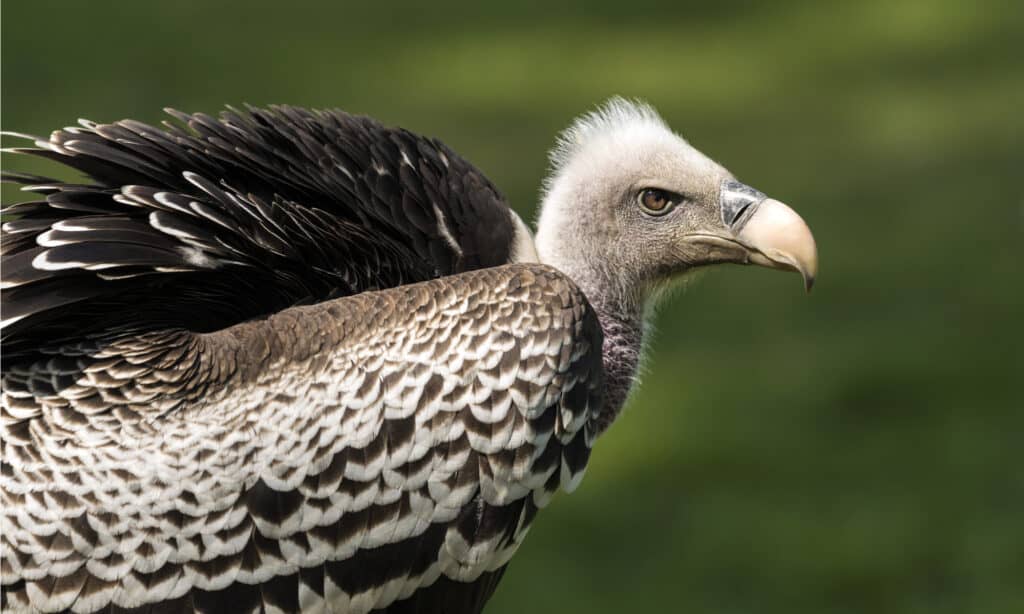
(780, 239)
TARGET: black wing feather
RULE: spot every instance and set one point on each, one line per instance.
(214, 221)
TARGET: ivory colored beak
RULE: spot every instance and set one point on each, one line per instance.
(779, 238)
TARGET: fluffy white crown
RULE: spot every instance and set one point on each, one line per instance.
(617, 115)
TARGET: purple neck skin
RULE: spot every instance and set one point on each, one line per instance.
(623, 343)
(622, 323)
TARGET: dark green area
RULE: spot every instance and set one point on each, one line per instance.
(858, 450)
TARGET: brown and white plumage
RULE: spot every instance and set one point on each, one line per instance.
(285, 360)
(345, 452)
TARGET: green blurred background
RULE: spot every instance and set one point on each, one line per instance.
(858, 450)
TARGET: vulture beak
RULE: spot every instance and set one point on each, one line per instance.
(771, 233)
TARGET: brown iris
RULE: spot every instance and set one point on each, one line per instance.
(655, 201)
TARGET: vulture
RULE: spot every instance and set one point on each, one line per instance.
(290, 360)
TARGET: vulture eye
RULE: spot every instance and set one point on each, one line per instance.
(656, 202)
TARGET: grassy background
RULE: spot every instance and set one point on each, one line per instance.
(859, 450)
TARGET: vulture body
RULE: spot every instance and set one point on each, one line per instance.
(291, 360)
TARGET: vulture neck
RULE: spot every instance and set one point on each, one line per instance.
(623, 346)
(621, 315)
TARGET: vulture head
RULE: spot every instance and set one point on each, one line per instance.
(630, 206)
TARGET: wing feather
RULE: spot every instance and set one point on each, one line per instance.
(365, 453)
(236, 217)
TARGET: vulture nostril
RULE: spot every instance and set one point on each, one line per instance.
(739, 214)
(736, 202)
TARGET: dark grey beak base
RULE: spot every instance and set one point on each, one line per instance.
(737, 202)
